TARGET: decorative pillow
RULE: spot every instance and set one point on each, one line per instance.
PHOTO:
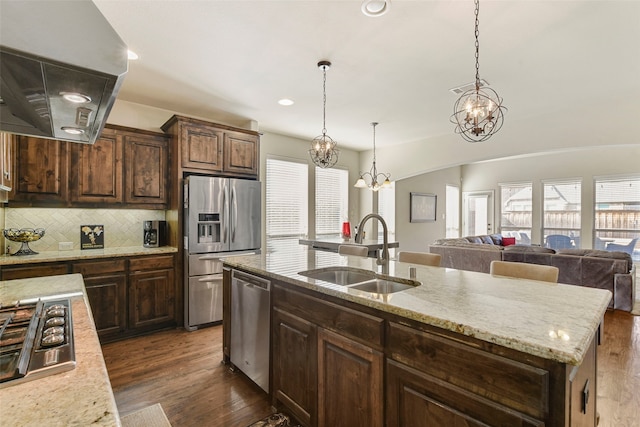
(508, 241)
(497, 239)
(487, 240)
(523, 248)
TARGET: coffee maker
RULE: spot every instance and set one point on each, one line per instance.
(154, 234)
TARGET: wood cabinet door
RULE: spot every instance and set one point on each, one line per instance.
(583, 380)
(108, 300)
(151, 298)
(96, 175)
(146, 169)
(294, 382)
(416, 399)
(241, 153)
(349, 382)
(201, 148)
(41, 170)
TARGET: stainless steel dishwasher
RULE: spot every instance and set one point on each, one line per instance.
(250, 320)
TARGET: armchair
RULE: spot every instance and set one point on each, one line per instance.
(628, 248)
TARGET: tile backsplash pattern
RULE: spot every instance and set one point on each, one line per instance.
(122, 227)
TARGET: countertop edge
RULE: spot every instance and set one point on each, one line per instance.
(55, 256)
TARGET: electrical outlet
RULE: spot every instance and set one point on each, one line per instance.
(65, 246)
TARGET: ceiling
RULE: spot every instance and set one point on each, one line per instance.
(231, 61)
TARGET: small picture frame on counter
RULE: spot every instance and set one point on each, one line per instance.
(92, 237)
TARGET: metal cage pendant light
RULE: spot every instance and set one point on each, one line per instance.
(373, 174)
(478, 113)
(324, 151)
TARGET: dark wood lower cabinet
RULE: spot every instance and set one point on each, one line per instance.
(349, 382)
(151, 292)
(294, 380)
(107, 296)
(128, 295)
(338, 363)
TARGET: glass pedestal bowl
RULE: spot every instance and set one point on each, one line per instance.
(24, 236)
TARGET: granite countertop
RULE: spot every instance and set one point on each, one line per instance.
(52, 256)
(79, 397)
(552, 321)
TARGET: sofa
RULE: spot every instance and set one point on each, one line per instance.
(613, 271)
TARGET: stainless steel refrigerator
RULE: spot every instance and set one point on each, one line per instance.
(222, 218)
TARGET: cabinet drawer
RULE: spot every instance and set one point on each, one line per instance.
(94, 268)
(31, 270)
(359, 326)
(511, 383)
(151, 263)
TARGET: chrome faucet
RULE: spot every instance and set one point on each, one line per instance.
(383, 258)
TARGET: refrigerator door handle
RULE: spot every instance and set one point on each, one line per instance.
(225, 220)
(234, 216)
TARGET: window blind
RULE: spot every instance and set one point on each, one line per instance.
(286, 199)
(332, 200)
(387, 209)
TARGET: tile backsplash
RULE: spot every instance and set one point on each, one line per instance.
(122, 227)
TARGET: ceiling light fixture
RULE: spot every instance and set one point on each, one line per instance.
(286, 102)
(478, 113)
(324, 151)
(132, 55)
(375, 7)
(373, 172)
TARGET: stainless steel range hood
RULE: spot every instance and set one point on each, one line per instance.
(51, 51)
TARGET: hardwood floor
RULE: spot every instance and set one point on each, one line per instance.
(182, 371)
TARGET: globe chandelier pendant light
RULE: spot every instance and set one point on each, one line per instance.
(376, 180)
(478, 113)
(324, 151)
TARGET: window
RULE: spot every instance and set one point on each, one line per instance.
(287, 206)
(332, 201)
(452, 211)
(617, 215)
(561, 214)
(387, 210)
(516, 210)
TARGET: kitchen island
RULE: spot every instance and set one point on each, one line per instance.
(78, 397)
(460, 346)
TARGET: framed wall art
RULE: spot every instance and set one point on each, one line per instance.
(423, 207)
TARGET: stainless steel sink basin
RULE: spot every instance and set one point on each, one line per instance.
(381, 286)
(361, 280)
(342, 276)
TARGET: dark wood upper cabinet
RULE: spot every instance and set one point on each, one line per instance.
(124, 168)
(41, 170)
(202, 148)
(212, 148)
(97, 170)
(241, 153)
(146, 169)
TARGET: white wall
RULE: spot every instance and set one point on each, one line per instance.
(417, 236)
(584, 164)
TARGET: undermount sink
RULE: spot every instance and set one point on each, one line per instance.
(343, 276)
(382, 286)
(361, 280)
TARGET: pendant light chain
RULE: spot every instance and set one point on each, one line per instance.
(477, 33)
(324, 151)
(324, 101)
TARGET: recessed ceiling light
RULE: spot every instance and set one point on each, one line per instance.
(375, 7)
(132, 55)
(286, 102)
(75, 97)
(72, 130)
